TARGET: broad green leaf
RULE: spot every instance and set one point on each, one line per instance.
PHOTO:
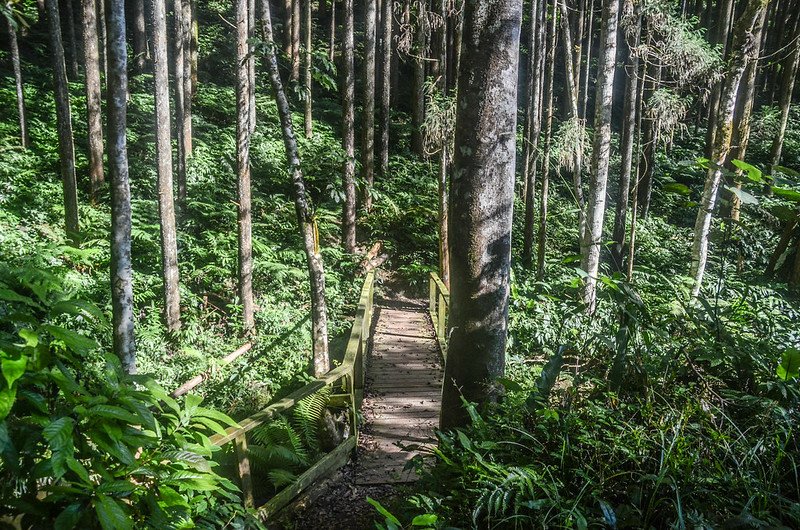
(13, 369)
(114, 412)
(59, 433)
(111, 514)
(69, 517)
(31, 337)
(426, 519)
(677, 187)
(786, 171)
(384, 512)
(72, 340)
(215, 415)
(752, 172)
(10, 296)
(7, 397)
(787, 193)
(170, 497)
(78, 469)
(789, 368)
(744, 197)
(79, 307)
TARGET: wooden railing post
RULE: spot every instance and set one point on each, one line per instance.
(441, 329)
(240, 444)
(432, 297)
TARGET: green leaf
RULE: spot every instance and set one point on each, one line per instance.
(170, 497)
(787, 193)
(10, 296)
(78, 469)
(79, 307)
(59, 433)
(509, 385)
(31, 337)
(215, 415)
(744, 197)
(192, 402)
(113, 412)
(677, 187)
(7, 397)
(753, 173)
(72, 340)
(111, 514)
(786, 171)
(426, 519)
(13, 369)
(69, 517)
(384, 512)
(789, 368)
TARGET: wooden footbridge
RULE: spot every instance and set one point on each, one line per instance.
(391, 377)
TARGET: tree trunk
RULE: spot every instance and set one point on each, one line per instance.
(481, 205)
(141, 53)
(305, 216)
(645, 188)
(628, 140)
(23, 122)
(587, 65)
(245, 221)
(636, 173)
(348, 133)
(186, 31)
(166, 206)
(251, 65)
(741, 49)
(418, 81)
(121, 273)
(66, 146)
(548, 135)
(308, 121)
(194, 50)
(332, 34)
(743, 113)
(368, 108)
(721, 39)
(69, 15)
(783, 244)
(532, 103)
(386, 87)
(180, 107)
(601, 153)
(101, 31)
(788, 76)
(93, 106)
(295, 58)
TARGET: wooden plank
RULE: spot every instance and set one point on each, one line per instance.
(196, 380)
(330, 462)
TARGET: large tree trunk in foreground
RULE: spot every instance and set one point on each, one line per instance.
(121, 273)
(481, 204)
(386, 87)
(23, 122)
(368, 108)
(66, 146)
(305, 217)
(348, 133)
(166, 206)
(601, 153)
(741, 49)
(93, 97)
(245, 222)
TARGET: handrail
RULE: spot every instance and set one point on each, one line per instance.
(439, 308)
(352, 371)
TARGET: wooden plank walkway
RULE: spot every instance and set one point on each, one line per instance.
(404, 382)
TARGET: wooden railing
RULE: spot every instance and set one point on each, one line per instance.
(350, 374)
(439, 307)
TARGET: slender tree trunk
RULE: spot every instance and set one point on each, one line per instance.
(743, 113)
(101, 30)
(121, 269)
(348, 133)
(166, 206)
(287, 29)
(531, 134)
(386, 87)
(194, 49)
(251, 65)
(141, 53)
(650, 140)
(186, 30)
(741, 50)
(23, 122)
(66, 146)
(636, 173)
(548, 135)
(628, 140)
(783, 244)
(245, 221)
(332, 37)
(307, 116)
(587, 64)
(296, 40)
(368, 108)
(788, 76)
(601, 153)
(481, 205)
(443, 218)
(418, 81)
(69, 15)
(305, 216)
(180, 107)
(93, 106)
(721, 38)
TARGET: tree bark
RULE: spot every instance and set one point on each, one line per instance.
(601, 153)
(741, 49)
(66, 146)
(101, 31)
(386, 88)
(186, 33)
(141, 53)
(72, 39)
(444, 246)
(636, 173)
(548, 135)
(166, 206)
(245, 222)
(587, 65)
(295, 40)
(308, 121)
(783, 244)
(23, 122)
(532, 103)
(368, 108)
(332, 33)
(645, 189)
(481, 205)
(93, 106)
(305, 216)
(251, 65)
(788, 76)
(721, 38)
(628, 141)
(121, 273)
(348, 133)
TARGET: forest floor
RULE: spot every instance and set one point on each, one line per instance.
(340, 501)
